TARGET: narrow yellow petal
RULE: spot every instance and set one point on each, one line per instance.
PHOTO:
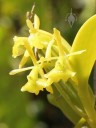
(23, 61)
(30, 51)
(76, 53)
(36, 22)
(48, 50)
(13, 72)
(57, 37)
(29, 24)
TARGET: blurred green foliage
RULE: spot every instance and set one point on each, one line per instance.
(22, 110)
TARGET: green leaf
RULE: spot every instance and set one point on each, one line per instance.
(85, 40)
(82, 65)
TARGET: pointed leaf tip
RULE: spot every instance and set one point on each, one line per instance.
(85, 39)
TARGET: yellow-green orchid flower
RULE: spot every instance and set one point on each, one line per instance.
(48, 43)
(61, 69)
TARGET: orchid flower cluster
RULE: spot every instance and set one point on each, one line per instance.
(49, 58)
(61, 69)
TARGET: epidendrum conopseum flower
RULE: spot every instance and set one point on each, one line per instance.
(60, 69)
(51, 59)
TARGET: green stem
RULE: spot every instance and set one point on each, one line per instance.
(85, 97)
(65, 95)
(59, 101)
